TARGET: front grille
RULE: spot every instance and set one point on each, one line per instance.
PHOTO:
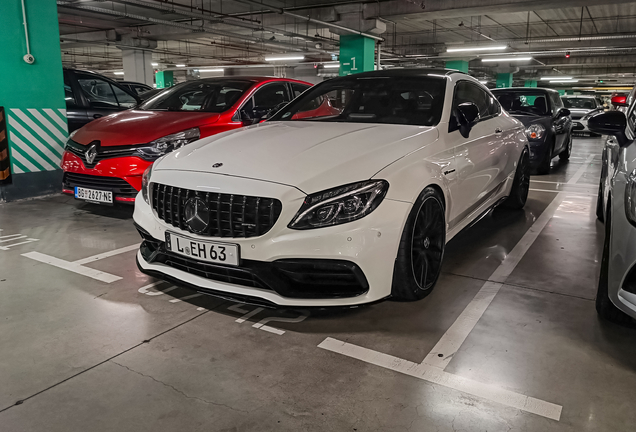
(577, 116)
(118, 186)
(230, 215)
(79, 150)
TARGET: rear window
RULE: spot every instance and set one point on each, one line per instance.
(583, 103)
(524, 102)
(216, 96)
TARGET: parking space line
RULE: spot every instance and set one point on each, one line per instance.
(188, 297)
(29, 240)
(561, 191)
(11, 237)
(144, 289)
(73, 267)
(438, 376)
(577, 175)
(107, 254)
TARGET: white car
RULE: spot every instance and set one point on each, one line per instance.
(582, 107)
(616, 206)
(342, 205)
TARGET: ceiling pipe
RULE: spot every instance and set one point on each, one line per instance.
(236, 22)
(194, 29)
(313, 20)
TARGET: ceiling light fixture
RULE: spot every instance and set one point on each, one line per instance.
(154, 64)
(484, 48)
(118, 73)
(505, 59)
(483, 82)
(555, 77)
(180, 65)
(271, 59)
(211, 70)
(564, 81)
(331, 66)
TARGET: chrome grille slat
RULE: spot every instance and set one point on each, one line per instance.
(231, 216)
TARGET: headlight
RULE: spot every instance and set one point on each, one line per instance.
(145, 184)
(630, 198)
(535, 131)
(340, 205)
(171, 142)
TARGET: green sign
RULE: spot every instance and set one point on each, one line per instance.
(164, 79)
(356, 54)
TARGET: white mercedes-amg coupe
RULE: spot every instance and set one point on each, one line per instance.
(345, 196)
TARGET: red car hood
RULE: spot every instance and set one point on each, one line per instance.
(139, 127)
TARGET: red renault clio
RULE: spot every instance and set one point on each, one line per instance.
(104, 161)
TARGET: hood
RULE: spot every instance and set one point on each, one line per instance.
(139, 127)
(310, 156)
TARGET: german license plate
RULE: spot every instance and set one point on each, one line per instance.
(214, 252)
(93, 195)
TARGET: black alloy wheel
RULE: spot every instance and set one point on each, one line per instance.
(520, 185)
(421, 251)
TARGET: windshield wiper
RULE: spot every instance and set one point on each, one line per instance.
(524, 113)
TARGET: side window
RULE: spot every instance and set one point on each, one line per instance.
(271, 95)
(299, 89)
(468, 92)
(69, 96)
(98, 92)
(125, 100)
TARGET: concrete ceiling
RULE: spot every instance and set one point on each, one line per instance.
(598, 34)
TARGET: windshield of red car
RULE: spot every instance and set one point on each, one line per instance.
(215, 97)
(390, 100)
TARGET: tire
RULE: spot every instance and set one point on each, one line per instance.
(599, 202)
(565, 154)
(419, 259)
(544, 166)
(604, 306)
(521, 184)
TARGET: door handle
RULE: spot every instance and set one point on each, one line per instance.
(498, 130)
(96, 116)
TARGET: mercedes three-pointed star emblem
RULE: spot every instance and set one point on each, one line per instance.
(197, 215)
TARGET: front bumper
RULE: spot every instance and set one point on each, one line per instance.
(367, 247)
(579, 126)
(537, 152)
(120, 175)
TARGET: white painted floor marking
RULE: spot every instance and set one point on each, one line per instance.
(11, 237)
(248, 314)
(261, 324)
(7, 247)
(455, 336)
(577, 175)
(188, 297)
(561, 191)
(107, 254)
(438, 376)
(144, 289)
(200, 308)
(73, 267)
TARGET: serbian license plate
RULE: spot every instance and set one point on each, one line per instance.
(219, 253)
(93, 195)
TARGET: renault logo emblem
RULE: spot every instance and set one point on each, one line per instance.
(197, 215)
(91, 154)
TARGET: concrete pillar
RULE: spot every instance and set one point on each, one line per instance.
(504, 80)
(530, 83)
(460, 65)
(357, 54)
(138, 66)
(32, 98)
(164, 79)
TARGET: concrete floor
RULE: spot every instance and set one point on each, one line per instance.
(81, 354)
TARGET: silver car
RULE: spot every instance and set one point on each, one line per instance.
(616, 205)
(582, 107)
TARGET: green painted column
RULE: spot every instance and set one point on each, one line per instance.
(504, 80)
(561, 92)
(32, 97)
(460, 65)
(357, 54)
(530, 83)
(164, 79)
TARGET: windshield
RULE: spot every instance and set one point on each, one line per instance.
(390, 100)
(216, 97)
(525, 103)
(583, 103)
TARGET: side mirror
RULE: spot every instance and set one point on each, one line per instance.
(467, 115)
(619, 101)
(246, 120)
(564, 112)
(610, 123)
